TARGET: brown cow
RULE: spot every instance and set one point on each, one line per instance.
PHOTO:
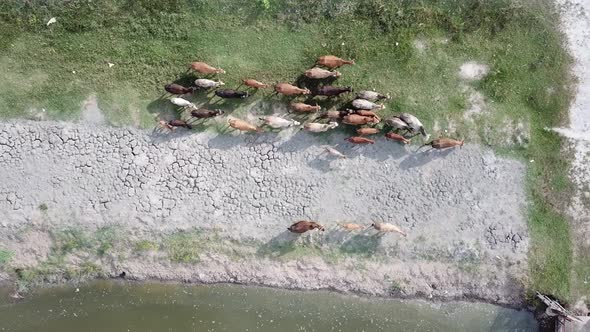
(351, 226)
(360, 140)
(443, 143)
(177, 89)
(290, 90)
(243, 125)
(366, 113)
(355, 119)
(332, 61)
(254, 84)
(397, 137)
(305, 108)
(367, 131)
(204, 68)
(164, 125)
(304, 226)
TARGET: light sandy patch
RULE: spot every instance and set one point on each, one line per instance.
(420, 45)
(473, 71)
(91, 114)
(476, 103)
(32, 247)
(135, 116)
(36, 114)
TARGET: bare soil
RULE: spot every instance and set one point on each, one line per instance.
(575, 22)
(464, 209)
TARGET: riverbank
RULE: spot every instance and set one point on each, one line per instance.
(207, 208)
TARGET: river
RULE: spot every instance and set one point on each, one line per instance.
(121, 306)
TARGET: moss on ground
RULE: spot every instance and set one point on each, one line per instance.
(5, 257)
(410, 49)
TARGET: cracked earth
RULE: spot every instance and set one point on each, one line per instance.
(464, 210)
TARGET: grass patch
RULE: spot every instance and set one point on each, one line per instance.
(551, 256)
(183, 247)
(105, 238)
(70, 240)
(145, 245)
(68, 243)
(53, 271)
(5, 257)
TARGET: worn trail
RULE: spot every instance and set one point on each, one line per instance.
(463, 209)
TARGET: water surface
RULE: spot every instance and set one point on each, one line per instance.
(117, 306)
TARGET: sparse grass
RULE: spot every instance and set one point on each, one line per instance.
(183, 247)
(5, 257)
(151, 44)
(395, 287)
(105, 238)
(67, 243)
(70, 240)
(581, 273)
(146, 245)
(85, 270)
(43, 207)
(55, 270)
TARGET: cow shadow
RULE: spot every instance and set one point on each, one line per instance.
(160, 136)
(421, 158)
(313, 84)
(363, 244)
(279, 245)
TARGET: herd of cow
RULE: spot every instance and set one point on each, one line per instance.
(363, 114)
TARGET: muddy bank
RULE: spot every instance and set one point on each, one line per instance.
(230, 198)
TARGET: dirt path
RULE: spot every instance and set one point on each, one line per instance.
(464, 209)
(576, 25)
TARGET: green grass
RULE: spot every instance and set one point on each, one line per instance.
(5, 257)
(151, 44)
(145, 245)
(183, 247)
(105, 238)
(71, 240)
(68, 243)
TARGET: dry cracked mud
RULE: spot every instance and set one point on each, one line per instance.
(464, 209)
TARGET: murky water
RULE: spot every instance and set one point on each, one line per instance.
(113, 306)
